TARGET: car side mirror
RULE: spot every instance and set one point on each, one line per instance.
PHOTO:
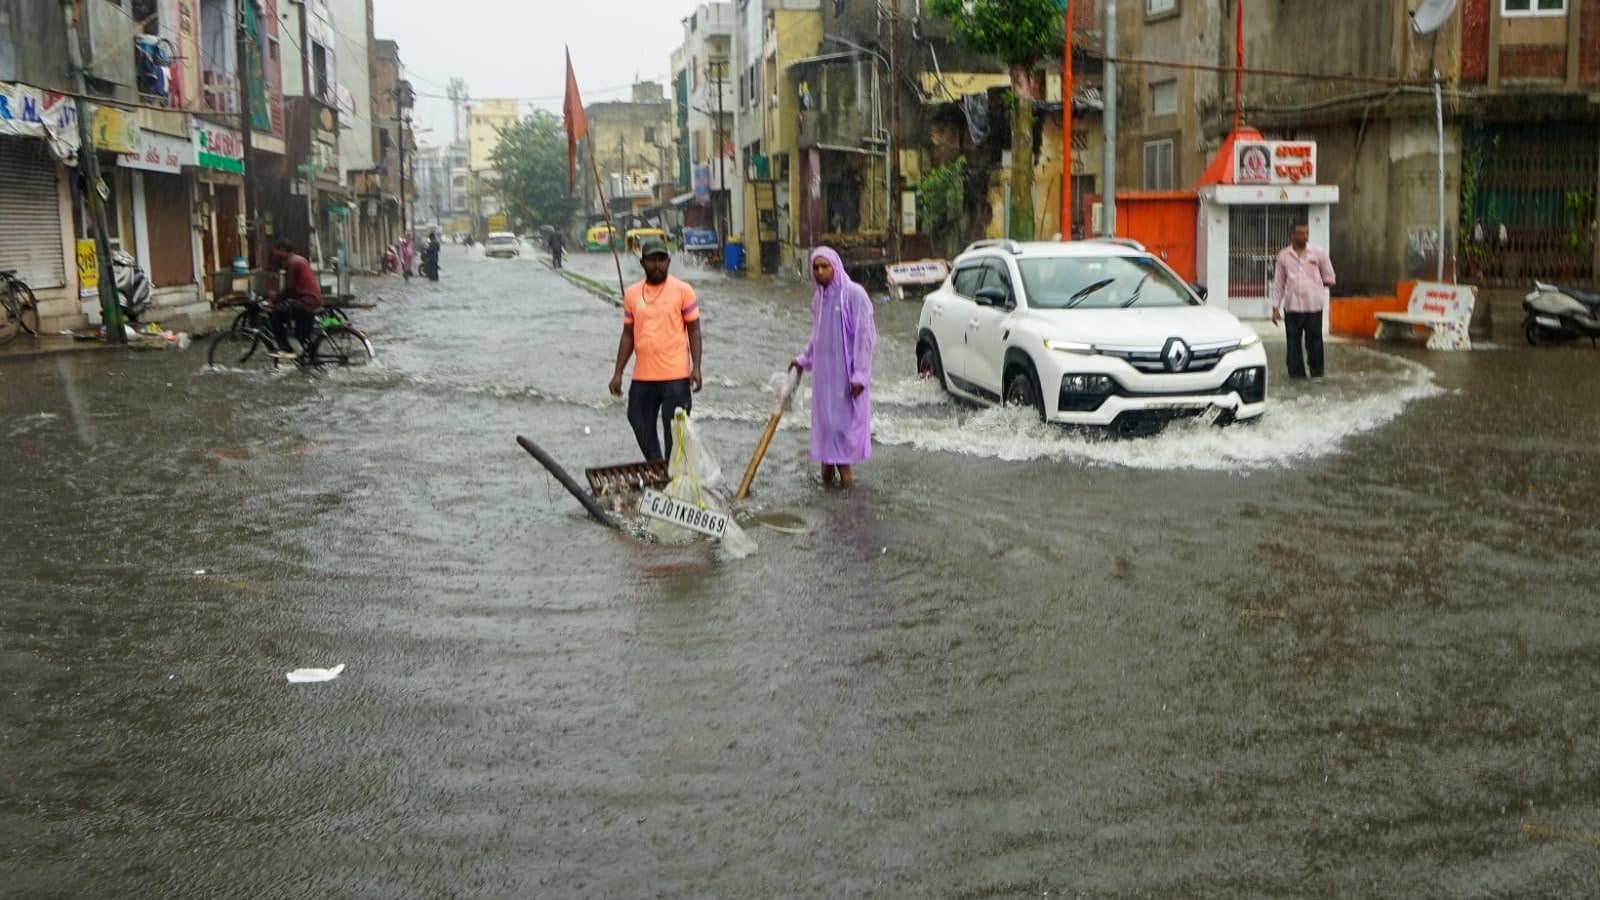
(1200, 290)
(993, 296)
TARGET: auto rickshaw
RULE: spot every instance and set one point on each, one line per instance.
(637, 237)
(598, 238)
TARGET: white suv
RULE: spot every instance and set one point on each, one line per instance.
(1088, 333)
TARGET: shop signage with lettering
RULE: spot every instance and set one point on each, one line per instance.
(29, 112)
(1275, 162)
(218, 148)
(159, 153)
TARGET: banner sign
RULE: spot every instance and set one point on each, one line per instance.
(922, 271)
(1275, 162)
(27, 111)
(217, 148)
(115, 130)
(88, 268)
(159, 153)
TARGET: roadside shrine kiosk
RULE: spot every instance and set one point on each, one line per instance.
(1250, 195)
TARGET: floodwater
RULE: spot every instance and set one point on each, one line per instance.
(1352, 651)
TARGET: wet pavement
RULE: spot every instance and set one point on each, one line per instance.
(1348, 652)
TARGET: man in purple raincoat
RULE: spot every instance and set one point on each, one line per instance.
(839, 358)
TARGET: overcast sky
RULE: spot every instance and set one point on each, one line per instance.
(513, 48)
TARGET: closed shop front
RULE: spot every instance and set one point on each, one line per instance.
(30, 213)
(168, 212)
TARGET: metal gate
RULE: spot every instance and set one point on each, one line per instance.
(1528, 202)
(1256, 234)
(30, 213)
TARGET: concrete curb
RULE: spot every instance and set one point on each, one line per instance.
(585, 284)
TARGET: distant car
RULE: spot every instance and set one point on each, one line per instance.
(502, 243)
(1097, 333)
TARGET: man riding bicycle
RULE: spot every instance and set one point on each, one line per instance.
(299, 299)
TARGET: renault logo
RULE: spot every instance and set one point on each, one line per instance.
(1176, 355)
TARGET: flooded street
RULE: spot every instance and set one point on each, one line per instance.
(1348, 652)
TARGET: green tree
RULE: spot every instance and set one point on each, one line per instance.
(1021, 33)
(531, 161)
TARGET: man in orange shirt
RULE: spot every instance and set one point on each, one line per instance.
(661, 326)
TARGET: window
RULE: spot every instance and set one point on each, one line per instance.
(1533, 7)
(999, 276)
(1107, 282)
(967, 279)
(1158, 166)
(1157, 7)
(649, 135)
(1164, 98)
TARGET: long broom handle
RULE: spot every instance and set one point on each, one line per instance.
(755, 461)
(766, 437)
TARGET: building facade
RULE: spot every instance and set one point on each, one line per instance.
(629, 148)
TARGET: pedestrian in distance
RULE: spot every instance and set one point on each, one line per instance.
(298, 300)
(839, 358)
(661, 329)
(408, 257)
(558, 247)
(430, 257)
(1300, 283)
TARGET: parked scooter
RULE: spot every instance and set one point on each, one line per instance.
(1554, 314)
(133, 288)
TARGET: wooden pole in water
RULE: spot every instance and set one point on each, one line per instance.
(766, 437)
(594, 509)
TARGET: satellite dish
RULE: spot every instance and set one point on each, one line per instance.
(1432, 15)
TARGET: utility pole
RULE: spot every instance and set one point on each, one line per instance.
(1066, 126)
(89, 171)
(313, 251)
(894, 132)
(253, 253)
(1108, 165)
(722, 157)
(405, 225)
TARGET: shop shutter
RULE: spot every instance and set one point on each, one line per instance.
(30, 213)
(166, 205)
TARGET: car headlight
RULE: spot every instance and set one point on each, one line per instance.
(1070, 347)
(1087, 384)
(1249, 340)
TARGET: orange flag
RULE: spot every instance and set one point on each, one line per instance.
(576, 123)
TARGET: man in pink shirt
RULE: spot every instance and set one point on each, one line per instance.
(1300, 282)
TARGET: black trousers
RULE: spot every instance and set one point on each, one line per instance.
(1304, 327)
(650, 400)
(303, 320)
(555, 257)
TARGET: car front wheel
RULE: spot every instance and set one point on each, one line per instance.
(1022, 389)
(928, 363)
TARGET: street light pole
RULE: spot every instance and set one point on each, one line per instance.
(89, 169)
(722, 157)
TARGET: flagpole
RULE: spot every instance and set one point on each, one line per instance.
(605, 210)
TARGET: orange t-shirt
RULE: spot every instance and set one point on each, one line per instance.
(659, 316)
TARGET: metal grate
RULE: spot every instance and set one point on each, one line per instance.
(1528, 203)
(1256, 234)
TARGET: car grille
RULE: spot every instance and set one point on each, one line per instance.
(1067, 401)
(1149, 361)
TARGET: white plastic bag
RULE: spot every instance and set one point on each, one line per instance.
(696, 480)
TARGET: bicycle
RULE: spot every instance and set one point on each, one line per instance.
(20, 307)
(334, 341)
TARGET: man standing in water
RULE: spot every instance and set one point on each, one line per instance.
(661, 325)
(1300, 281)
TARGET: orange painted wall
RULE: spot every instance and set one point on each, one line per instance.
(1357, 316)
(1165, 222)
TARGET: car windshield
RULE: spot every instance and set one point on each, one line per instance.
(1100, 282)
(502, 239)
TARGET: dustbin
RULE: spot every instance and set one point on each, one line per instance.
(733, 256)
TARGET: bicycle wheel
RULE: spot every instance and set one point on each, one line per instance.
(240, 349)
(21, 312)
(341, 345)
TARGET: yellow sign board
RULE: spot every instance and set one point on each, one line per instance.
(88, 269)
(117, 130)
(497, 223)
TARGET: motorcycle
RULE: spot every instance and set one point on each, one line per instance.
(133, 288)
(1553, 314)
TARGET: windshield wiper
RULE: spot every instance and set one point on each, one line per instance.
(1135, 298)
(1083, 295)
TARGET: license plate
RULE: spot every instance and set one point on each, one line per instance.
(657, 505)
(1191, 404)
(1547, 321)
